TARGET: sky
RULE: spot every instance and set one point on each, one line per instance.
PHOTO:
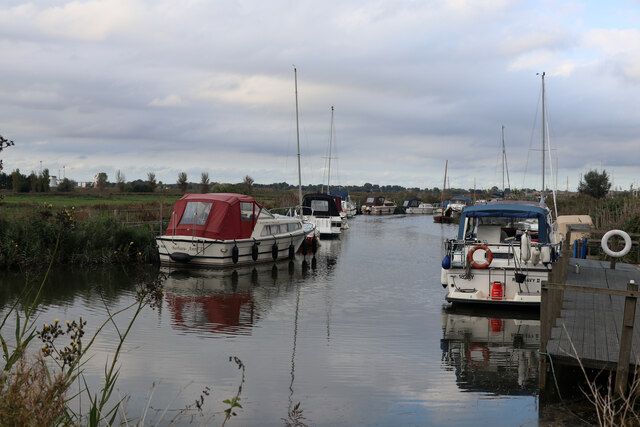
(199, 86)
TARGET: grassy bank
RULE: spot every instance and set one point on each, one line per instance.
(28, 239)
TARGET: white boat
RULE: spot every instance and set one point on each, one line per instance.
(416, 206)
(225, 229)
(459, 203)
(503, 251)
(378, 205)
(322, 211)
(500, 256)
(348, 207)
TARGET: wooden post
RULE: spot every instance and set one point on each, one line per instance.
(545, 325)
(626, 335)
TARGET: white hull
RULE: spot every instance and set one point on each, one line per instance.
(379, 210)
(329, 227)
(204, 252)
(427, 209)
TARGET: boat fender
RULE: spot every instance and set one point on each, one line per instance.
(274, 251)
(292, 252)
(443, 278)
(446, 262)
(605, 243)
(235, 254)
(180, 257)
(545, 254)
(480, 265)
(535, 256)
(304, 247)
(525, 247)
(254, 251)
(314, 245)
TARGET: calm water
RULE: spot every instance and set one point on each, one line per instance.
(360, 336)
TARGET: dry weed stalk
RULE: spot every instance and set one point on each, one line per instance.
(611, 409)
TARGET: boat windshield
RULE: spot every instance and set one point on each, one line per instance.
(196, 213)
(320, 205)
(264, 214)
(247, 211)
(500, 229)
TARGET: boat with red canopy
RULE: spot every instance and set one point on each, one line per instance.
(225, 229)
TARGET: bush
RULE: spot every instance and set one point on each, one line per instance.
(30, 241)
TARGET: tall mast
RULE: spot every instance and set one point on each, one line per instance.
(295, 76)
(330, 140)
(503, 160)
(544, 125)
(444, 186)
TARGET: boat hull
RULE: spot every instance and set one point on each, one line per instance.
(201, 252)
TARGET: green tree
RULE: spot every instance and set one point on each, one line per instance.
(101, 181)
(204, 182)
(182, 181)
(120, 180)
(66, 186)
(248, 184)
(151, 180)
(16, 180)
(595, 184)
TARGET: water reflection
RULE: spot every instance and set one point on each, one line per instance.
(492, 352)
(228, 301)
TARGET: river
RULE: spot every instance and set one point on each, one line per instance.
(361, 335)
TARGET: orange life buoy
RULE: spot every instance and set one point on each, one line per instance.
(478, 363)
(476, 264)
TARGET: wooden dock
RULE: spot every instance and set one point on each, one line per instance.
(591, 315)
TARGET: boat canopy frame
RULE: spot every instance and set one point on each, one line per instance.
(523, 210)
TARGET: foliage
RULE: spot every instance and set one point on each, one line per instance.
(182, 181)
(151, 180)
(204, 182)
(120, 181)
(35, 392)
(248, 184)
(595, 184)
(4, 143)
(101, 181)
(28, 240)
(65, 186)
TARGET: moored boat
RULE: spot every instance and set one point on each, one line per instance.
(378, 205)
(416, 206)
(321, 210)
(225, 229)
(501, 255)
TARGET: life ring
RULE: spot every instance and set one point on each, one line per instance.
(478, 364)
(476, 264)
(605, 246)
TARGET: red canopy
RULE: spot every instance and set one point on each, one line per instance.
(221, 216)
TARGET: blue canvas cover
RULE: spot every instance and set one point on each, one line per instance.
(511, 209)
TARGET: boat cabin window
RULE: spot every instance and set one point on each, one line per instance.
(369, 200)
(405, 204)
(293, 226)
(247, 211)
(196, 213)
(501, 229)
(320, 205)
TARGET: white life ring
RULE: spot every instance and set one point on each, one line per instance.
(605, 246)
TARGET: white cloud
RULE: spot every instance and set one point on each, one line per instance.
(171, 100)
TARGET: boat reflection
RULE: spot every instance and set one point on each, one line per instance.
(492, 352)
(227, 302)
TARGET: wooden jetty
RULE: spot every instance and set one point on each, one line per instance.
(587, 312)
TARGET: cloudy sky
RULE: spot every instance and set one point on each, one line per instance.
(208, 86)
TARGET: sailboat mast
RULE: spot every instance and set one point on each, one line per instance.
(295, 74)
(444, 186)
(330, 140)
(503, 158)
(543, 135)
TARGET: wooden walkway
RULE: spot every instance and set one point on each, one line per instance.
(593, 321)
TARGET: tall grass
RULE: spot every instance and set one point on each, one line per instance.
(27, 241)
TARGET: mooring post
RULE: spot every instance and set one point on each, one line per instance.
(626, 336)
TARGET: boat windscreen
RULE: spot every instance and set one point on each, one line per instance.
(196, 213)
